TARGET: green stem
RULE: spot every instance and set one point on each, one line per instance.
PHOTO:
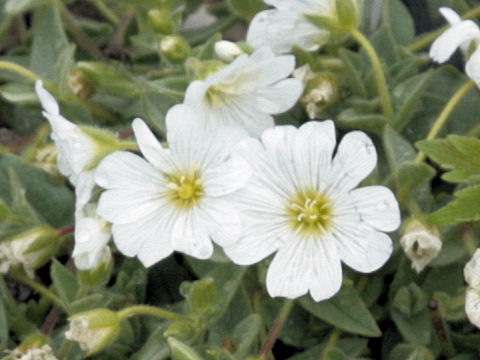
(38, 288)
(20, 70)
(377, 68)
(106, 12)
(150, 310)
(429, 38)
(276, 328)
(80, 36)
(332, 340)
(445, 114)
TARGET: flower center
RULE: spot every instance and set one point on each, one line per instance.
(185, 190)
(310, 212)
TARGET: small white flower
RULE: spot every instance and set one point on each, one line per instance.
(302, 205)
(43, 353)
(421, 245)
(472, 277)
(179, 199)
(246, 92)
(76, 150)
(227, 50)
(286, 25)
(463, 34)
(91, 237)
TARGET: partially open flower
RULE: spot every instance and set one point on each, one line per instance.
(421, 244)
(94, 330)
(30, 249)
(42, 353)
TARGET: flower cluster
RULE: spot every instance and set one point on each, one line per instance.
(229, 177)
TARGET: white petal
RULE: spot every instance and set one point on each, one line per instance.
(446, 44)
(305, 264)
(258, 242)
(179, 120)
(280, 97)
(472, 67)
(361, 247)
(151, 148)
(313, 152)
(190, 236)
(195, 93)
(84, 184)
(377, 207)
(222, 220)
(355, 159)
(130, 238)
(451, 16)
(155, 249)
(48, 101)
(122, 168)
(227, 177)
(91, 237)
(471, 270)
(472, 306)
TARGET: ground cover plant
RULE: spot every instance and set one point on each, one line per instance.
(239, 179)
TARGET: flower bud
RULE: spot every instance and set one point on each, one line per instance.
(421, 244)
(161, 21)
(41, 353)
(80, 84)
(182, 329)
(321, 90)
(175, 48)
(30, 249)
(227, 50)
(98, 275)
(94, 330)
(471, 272)
(349, 13)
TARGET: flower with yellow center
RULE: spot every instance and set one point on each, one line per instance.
(301, 203)
(178, 199)
(246, 92)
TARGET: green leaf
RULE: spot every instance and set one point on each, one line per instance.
(20, 205)
(19, 93)
(43, 191)
(65, 282)
(457, 153)
(385, 45)
(398, 149)
(465, 207)
(62, 69)
(351, 119)
(346, 311)
(411, 352)
(3, 327)
(49, 41)
(397, 16)
(155, 348)
(181, 351)
(247, 8)
(407, 96)
(409, 177)
(201, 295)
(354, 65)
(15, 7)
(416, 329)
(245, 335)
(155, 106)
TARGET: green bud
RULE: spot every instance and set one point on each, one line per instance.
(31, 249)
(182, 329)
(175, 48)
(94, 330)
(161, 21)
(80, 84)
(100, 274)
(181, 351)
(34, 341)
(348, 13)
(202, 296)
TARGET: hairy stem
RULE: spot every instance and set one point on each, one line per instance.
(150, 310)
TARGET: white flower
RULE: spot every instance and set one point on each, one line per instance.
(421, 245)
(227, 50)
(472, 277)
(246, 92)
(302, 205)
(463, 34)
(286, 25)
(179, 199)
(43, 353)
(91, 237)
